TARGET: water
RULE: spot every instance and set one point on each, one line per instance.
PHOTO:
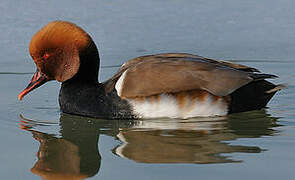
(38, 142)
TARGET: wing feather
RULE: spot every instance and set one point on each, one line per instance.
(175, 72)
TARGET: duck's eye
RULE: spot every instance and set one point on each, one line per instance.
(46, 56)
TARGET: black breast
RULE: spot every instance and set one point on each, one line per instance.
(91, 100)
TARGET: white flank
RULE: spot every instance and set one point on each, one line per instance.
(208, 108)
(167, 107)
(119, 84)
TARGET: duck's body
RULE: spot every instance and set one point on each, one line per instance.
(92, 100)
(103, 100)
(174, 85)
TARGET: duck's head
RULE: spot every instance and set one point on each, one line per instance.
(62, 51)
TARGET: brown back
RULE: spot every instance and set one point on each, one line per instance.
(175, 72)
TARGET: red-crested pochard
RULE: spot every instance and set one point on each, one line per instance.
(175, 85)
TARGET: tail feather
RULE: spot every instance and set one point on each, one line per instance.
(253, 96)
(258, 77)
(277, 88)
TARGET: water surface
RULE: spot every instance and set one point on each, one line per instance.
(38, 142)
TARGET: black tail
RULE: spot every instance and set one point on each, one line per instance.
(252, 96)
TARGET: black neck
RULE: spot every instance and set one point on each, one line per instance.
(89, 65)
(83, 95)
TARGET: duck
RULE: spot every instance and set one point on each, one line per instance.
(167, 85)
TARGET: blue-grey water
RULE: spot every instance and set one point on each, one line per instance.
(38, 142)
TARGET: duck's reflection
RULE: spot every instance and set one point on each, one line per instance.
(73, 156)
(60, 159)
(73, 152)
(193, 141)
